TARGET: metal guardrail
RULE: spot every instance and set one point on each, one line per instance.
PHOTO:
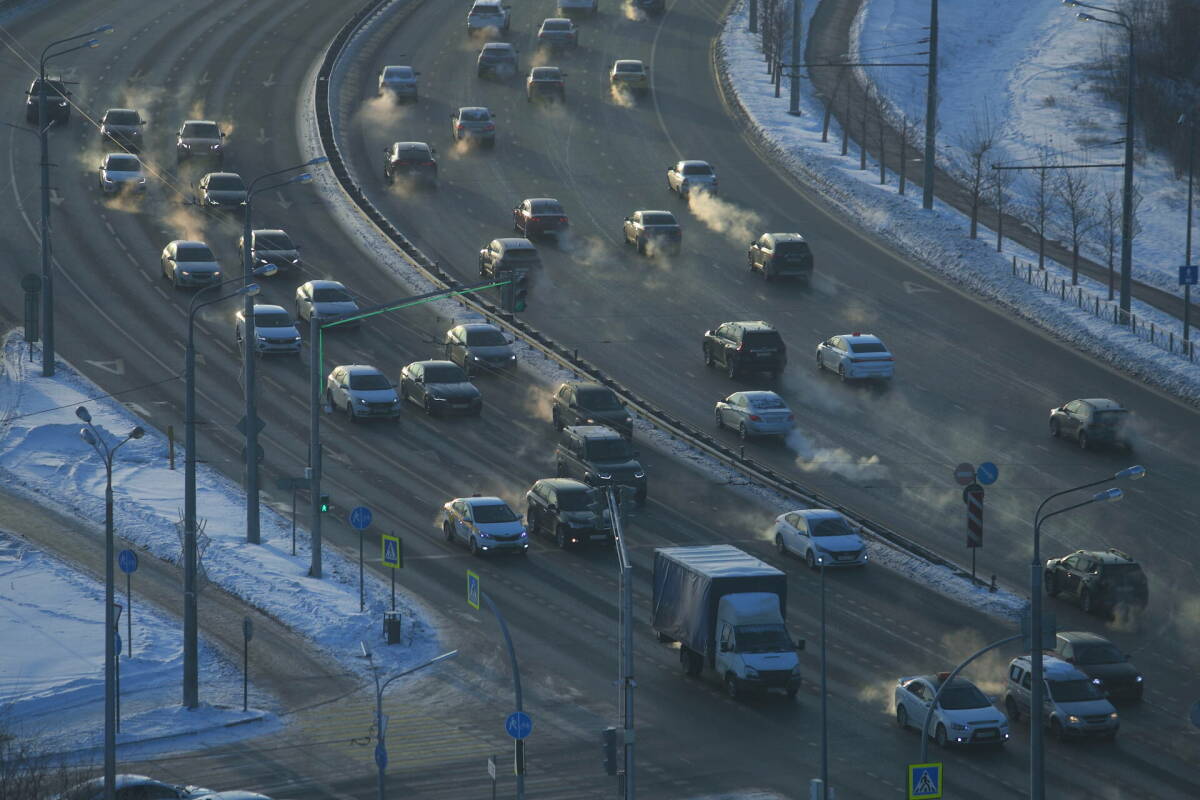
(677, 428)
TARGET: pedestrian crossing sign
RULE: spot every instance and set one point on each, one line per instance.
(392, 554)
(924, 781)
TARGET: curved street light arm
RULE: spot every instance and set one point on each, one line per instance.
(1133, 473)
(101, 29)
(310, 163)
(84, 46)
(429, 663)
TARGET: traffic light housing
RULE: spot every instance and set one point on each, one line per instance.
(610, 750)
(325, 504)
(514, 295)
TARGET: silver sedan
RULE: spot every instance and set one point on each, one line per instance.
(755, 414)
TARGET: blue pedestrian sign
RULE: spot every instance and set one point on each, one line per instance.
(360, 518)
(1189, 275)
(380, 756)
(987, 473)
(127, 561)
(924, 781)
(472, 590)
(391, 551)
(519, 725)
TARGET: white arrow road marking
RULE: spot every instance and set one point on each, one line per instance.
(262, 137)
(116, 366)
(285, 203)
(203, 79)
(56, 198)
(916, 288)
(270, 81)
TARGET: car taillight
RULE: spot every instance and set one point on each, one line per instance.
(460, 126)
(489, 127)
(427, 163)
(535, 219)
(755, 418)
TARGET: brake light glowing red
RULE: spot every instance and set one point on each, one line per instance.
(489, 127)
(755, 418)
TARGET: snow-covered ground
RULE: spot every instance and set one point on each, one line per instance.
(937, 239)
(1036, 82)
(42, 457)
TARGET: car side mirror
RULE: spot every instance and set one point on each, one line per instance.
(433, 151)
(222, 134)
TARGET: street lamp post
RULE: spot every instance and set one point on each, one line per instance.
(191, 672)
(931, 104)
(1122, 21)
(92, 436)
(1036, 754)
(824, 692)
(44, 140)
(250, 343)
(380, 721)
(1187, 251)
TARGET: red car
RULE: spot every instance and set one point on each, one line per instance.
(539, 215)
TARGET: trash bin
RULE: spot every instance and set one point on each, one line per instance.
(391, 626)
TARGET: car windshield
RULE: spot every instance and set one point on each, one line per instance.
(226, 183)
(546, 207)
(484, 9)
(556, 25)
(51, 86)
(123, 164)
(1123, 573)
(474, 115)
(867, 347)
(608, 450)
(830, 526)
(761, 339)
(521, 254)
(368, 382)
(762, 639)
(661, 218)
(201, 130)
(1111, 418)
(765, 402)
(1099, 654)
(486, 338)
(547, 74)
(273, 319)
(957, 697)
(398, 73)
(1074, 691)
(597, 400)
(498, 512)
(193, 252)
(697, 169)
(574, 500)
(445, 373)
(332, 295)
(273, 241)
(121, 118)
(414, 153)
(791, 249)
(628, 67)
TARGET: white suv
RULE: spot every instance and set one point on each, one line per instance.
(485, 14)
(1072, 705)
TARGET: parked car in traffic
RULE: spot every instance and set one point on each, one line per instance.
(598, 456)
(484, 525)
(1100, 581)
(557, 33)
(399, 83)
(122, 172)
(497, 60)
(653, 231)
(629, 74)
(410, 160)
(574, 7)
(684, 177)
(1098, 658)
(540, 215)
(134, 787)
(58, 107)
(186, 263)
(275, 331)
(584, 403)
(488, 16)
(473, 123)
(324, 300)
(507, 253)
(271, 246)
(361, 392)
(546, 83)
(201, 139)
(781, 255)
(225, 191)
(123, 127)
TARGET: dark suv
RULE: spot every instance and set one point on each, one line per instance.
(415, 160)
(1094, 421)
(58, 108)
(578, 403)
(599, 456)
(1099, 659)
(563, 509)
(781, 255)
(743, 347)
(1101, 581)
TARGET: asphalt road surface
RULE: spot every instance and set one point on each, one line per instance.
(971, 385)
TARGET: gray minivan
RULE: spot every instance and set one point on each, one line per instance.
(781, 255)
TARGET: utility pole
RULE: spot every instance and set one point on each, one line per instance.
(794, 86)
(931, 104)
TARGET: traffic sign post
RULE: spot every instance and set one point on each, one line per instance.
(519, 725)
(360, 518)
(247, 635)
(964, 473)
(393, 556)
(924, 781)
(987, 473)
(127, 560)
(973, 497)
(472, 590)
(492, 773)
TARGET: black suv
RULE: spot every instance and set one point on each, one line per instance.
(1093, 421)
(1100, 660)
(743, 347)
(578, 403)
(599, 456)
(58, 108)
(564, 510)
(1101, 580)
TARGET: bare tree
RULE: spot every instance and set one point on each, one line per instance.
(1110, 226)
(1074, 192)
(977, 142)
(27, 772)
(1001, 180)
(773, 24)
(908, 140)
(1042, 198)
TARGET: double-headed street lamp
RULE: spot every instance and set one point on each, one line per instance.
(1121, 21)
(191, 672)
(47, 281)
(1036, 761)
(250, 343)
(93, 437)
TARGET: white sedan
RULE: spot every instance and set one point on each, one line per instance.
(856, 356)
(964, 715)
(820, 536)
(687, 176)
(755, 414)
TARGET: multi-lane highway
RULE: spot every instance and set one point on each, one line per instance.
(971, 384)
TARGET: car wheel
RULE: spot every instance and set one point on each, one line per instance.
(560, 537)
(556, 420)
(640, 245)
(448, 530)
(1055, 429)
(1085, 601)
(810, 560)
(1083, 440)
(1051, 581)
(350, 417)
(1010, 707)
(842, 373)
(779, 545)
(474, 547)
(708, 359)
(742, 435)
(820, 362)
(720, 421)
(1057, 730)
(730, 367)
(939, 736)
(731, 687)
(902, 718)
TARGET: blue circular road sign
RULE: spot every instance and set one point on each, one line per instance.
(360, 518)
(519, 725)
(127, 561)
(987, 473)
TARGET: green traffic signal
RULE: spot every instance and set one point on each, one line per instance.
(324, 503)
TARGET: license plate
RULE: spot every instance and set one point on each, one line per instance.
(985, 735)
(598, 537)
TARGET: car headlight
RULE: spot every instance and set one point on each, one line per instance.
(512, 358)
(639, 474)
(1139, 679)
(185, 273)
(216, 274)
(212, 201)
(216, 147)
(604, 476)
(295, 261)
(958, 726)
(590, 421)
(484, 535)
(185, 145)
(1097, 682)
(106, 179)
(141, 180)
(1074, 720)
(62, 103)
(1113, 715)
(524, 534)
(476, 358)
(362, 402)
(296, 338)
(395, 400)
